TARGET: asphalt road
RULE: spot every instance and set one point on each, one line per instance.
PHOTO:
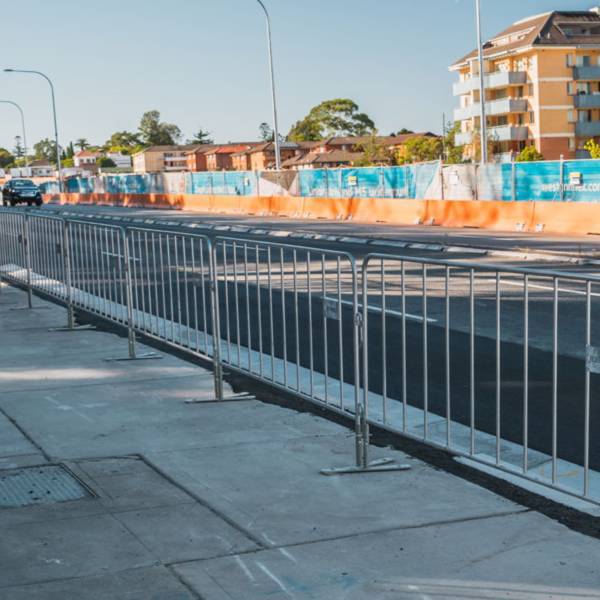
(297, 304)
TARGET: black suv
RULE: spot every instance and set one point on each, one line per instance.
(21, 190)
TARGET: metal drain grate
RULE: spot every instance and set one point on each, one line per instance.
(39, 485)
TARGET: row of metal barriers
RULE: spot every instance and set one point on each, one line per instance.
(494, 363)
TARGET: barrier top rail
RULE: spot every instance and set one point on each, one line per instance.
(495, 267)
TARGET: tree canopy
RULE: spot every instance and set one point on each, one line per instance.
(201, 137)
(420, 149)
(375, 153)
(6, 158)
(45, 149)
(266, 133)
(154, 132)
(337, 117)
(122, 139)
(529, 154)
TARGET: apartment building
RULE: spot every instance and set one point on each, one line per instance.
(542, 87)
(162, 159)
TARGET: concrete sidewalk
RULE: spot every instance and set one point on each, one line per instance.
(225, 501)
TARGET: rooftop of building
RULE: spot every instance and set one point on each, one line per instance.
(557, 28)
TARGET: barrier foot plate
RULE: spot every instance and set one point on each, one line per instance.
(147, 356)
(30, 308)
(377, 466)
(231, 398)
(76, 328)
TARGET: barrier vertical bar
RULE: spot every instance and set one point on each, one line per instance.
(561, 186)
(27, 246)
(216, 324)
(586, 417)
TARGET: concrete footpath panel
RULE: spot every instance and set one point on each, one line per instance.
(188, 500)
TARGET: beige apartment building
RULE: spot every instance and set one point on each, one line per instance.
(162, 159)
(542, 87)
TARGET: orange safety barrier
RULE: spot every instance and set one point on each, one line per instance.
(567, 218)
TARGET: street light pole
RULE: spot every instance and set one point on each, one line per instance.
(483, 124)
(22, 125)
(275, 125)
(60, 186)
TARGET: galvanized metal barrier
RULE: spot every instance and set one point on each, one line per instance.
(494, 363)
(491, 362)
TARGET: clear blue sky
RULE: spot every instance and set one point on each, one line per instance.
(203, 62)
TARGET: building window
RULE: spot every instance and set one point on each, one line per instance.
(572, 145)
(571, 88)
(571, 116)
(532, 117)
(570, 60)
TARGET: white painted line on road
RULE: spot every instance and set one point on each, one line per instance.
(389, 243)
(377, 309)
(544, 287)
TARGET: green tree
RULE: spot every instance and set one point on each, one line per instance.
(104, 162)
(529, 154)
(18, 151)
(593, 148)
(337, 117)
(125, 139)
(201, 137)
(420, 149)
(266, 133)
(82, 143)
(402, 131)
(453, 153)
(67, 162)
(70, 151)
(153, 132)
(6, 158)
(45, 149)
(374, 153)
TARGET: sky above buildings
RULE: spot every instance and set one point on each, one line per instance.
(203, 63)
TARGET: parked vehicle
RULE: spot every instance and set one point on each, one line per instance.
(21, 190)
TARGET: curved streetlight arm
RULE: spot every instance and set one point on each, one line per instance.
(22, 125)
(273, 97)
(60, 186)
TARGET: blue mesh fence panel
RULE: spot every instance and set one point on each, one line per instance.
(396, 182)
(313, 182)
(537, 181)
(421, 177)
(581, 179)
(494, 181)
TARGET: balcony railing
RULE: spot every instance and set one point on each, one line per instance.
(587, 129)
(508, 133)
(587, 101)
(586, 73)
(498, 79)
(495, 107)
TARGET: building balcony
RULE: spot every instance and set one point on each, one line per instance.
(495, 107)
(508, 133)
(587, 101)
(462, 139)
(586, 73)
(587, 129)
(499, 79)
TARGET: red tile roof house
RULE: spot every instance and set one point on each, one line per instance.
(220, 157)
(86, 159)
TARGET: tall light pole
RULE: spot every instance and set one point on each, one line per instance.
(60, 187)
(22, 125)
(275, 125)
(483, 124)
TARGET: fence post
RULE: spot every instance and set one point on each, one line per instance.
(216, 321)
(361, 402)
(66, 254)
(129, 295)
(562, 179)
(442, 179)
(513, 179)
(27, 248)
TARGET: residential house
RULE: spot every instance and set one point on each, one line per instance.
(36, 168)
(86, 160)
(122, 161)
(162, 159)
(220, 157)
(541, 87)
